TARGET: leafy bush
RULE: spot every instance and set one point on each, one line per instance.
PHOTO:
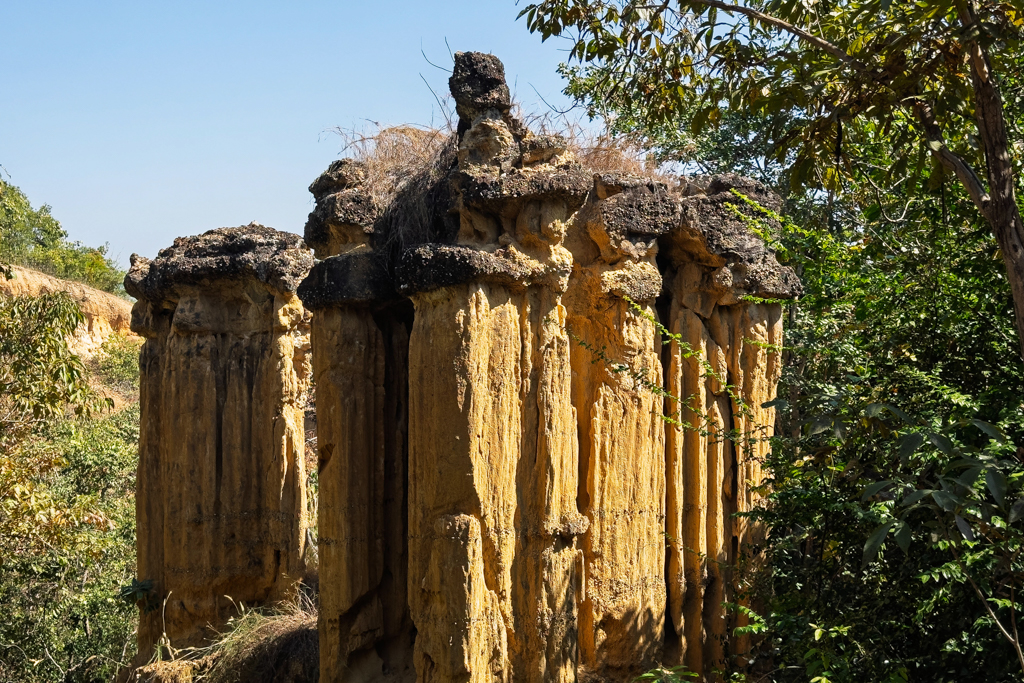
(39, 375)
(67, 517)
(893, 505)
(57, 591)
(117, 363)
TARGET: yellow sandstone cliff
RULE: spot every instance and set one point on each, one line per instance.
(540, 405)
(570, 474)
(104, 313)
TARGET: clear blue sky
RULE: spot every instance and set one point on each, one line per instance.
(141, 121)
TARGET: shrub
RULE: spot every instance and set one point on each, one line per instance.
(117, 363)
(59, 578)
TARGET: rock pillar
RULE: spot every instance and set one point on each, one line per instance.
(616, 382)
(360, 339)
(722, 294)
(221, 482)
(494, 563)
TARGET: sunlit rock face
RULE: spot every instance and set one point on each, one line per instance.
(103, 314)
(221, 498)
(360, 333)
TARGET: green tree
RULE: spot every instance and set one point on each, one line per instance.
(928, 78)
(67, 526)
(895, 523)
(40, 380)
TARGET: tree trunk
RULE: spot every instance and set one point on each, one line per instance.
(1002, 212)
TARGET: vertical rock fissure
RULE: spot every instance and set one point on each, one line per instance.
(220, 391)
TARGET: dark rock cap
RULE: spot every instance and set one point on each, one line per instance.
(633, 207)
(358, 278)
(571, 183)
(541, 148)
(715, 229)
(340, 175)
(277, 259)
(478, 84)
(432, 266)
(351, 207)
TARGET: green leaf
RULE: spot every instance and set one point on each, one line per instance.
(945, 500)
(822, 424)
(875, 488)
(941, 442)
(996, 483)
(990, 429)
(875, 542)
(903, 536)
(899, 413)
(1016, 511)
(964, 527)
(915, 497)
(874, 409)
(970, 476)
(909, 444)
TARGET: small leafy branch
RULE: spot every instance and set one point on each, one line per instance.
(964, 499)
(140, 593)
(675, 674)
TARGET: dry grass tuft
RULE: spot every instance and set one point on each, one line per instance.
(399, 157)
(407, 170)
(394, 156)
(597, 149)
(281, 645)
(278, 644)
(406, 176)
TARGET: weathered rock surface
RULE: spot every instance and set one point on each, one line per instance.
(723, 365)
(105, 314)
(221, 482)
(360, 330)
(622, 454)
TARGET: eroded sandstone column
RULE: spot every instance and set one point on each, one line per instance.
(616, 377)
(360, 339)
(221, 496)
(494, 566)
(723, 287)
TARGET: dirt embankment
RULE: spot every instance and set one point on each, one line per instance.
(104, 313)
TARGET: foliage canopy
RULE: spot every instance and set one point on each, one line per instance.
(928, 80)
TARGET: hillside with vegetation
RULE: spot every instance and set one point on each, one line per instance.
(68, 452)
(32, 237)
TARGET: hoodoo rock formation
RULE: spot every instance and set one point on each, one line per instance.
(221, 503)
(505, 444)
(361, 327)
(540, 405)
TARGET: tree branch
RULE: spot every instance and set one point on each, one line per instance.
(952, 162)
(814, 40)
